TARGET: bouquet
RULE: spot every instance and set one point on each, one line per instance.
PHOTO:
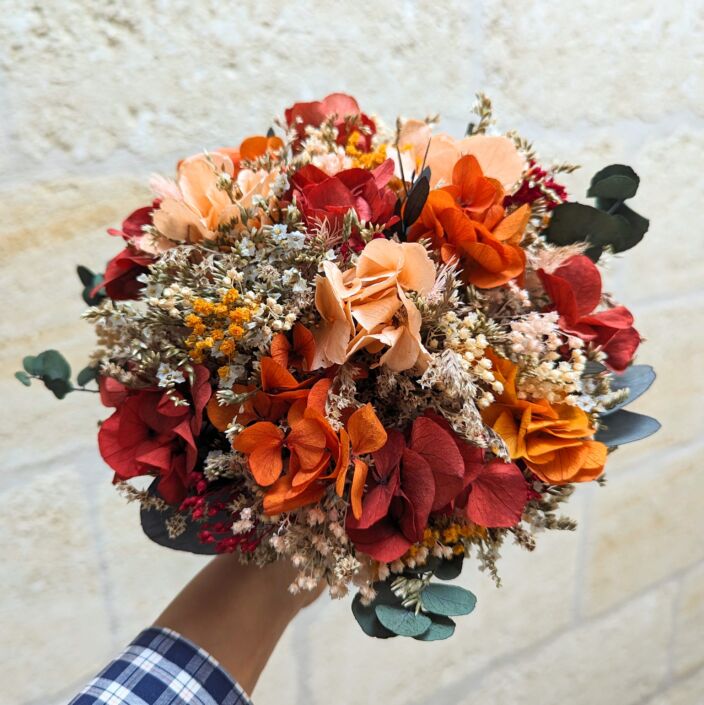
(374, 351)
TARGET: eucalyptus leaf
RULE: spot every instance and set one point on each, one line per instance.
(450, 569)
(637, 379)
(32, 365)
(367, 619)
(638, 227)
(626, 427)
(86, 375)
(441, 628)
(53, 366)
(24, 378)
(616, 181)
(58, 387)
(447, 600)
(576, 222)
(402, 621)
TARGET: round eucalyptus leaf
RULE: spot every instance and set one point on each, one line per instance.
(53, 365)
(24, 378)
(58, 387)
(447, 600)
(402, 621)
(367, 619)
(616, 181)
(32, 365)
(441, 628)
(626, 427)
(637, 379)
(86, 375)
(450, 569)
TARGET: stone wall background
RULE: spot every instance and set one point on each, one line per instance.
(96, 96)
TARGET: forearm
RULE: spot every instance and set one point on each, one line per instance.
(237, 613)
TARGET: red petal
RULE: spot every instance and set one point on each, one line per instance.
(383, 541)
(418, 486)
(498, 496)
(387, 458)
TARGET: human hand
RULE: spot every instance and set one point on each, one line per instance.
(237, 612)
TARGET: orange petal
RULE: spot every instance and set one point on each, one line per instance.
(296, 411)
(304, 345)
(511, 228)
(564, 466)
(508, 429)
(283, 497)
(358, 480)
(318, 395)
(343, 462)
(366, 431)
(280, 349)
(221, 416)
(259, 434)
(307, 441)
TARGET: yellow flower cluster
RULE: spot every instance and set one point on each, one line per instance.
(217, 325)
(452, 535)
(364, 160)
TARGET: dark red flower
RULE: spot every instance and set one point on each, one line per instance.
(537, 183)
(575, 290)
(434, 471)
(149, 434)
(133, 224)
(492, 494)
(345, 111)
(120, 278)
(329, 198)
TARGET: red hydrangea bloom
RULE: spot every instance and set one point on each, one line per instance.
(575, 290)
(321, 197)
(148, 434)
(432, 471)
(120, 279)
(347, 114)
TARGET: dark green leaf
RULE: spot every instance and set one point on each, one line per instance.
(154, 526)
(626, 427)
(441, 628)
(638, 227)
(53, 365)
(59, 387)
(270, 132)
(24, 378)
(616, 181)
(416, 200)
(449, 570)
(85, 275)
(447, 600)
(576, 222)
(637, 379)
(32, 365)
(402, 621)
(367, 619)
(86, 375)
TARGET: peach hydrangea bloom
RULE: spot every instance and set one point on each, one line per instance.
(497, 155)
(367, 307)
(195, 206)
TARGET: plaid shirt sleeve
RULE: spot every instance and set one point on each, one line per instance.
(160, 667)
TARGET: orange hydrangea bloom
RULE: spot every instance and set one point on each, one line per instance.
(279, 388)
(315, 453)
(553, 440)
(466, 221)
(366, 307)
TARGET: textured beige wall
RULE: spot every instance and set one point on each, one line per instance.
(96, 95)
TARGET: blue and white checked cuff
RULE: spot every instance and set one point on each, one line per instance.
(160, 667)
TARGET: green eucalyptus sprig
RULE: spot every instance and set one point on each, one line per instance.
(52, 368)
